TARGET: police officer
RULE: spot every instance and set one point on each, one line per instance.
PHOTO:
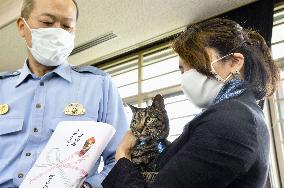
(36, 98)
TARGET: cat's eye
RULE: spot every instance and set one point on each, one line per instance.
(133, 121)
(147, 119)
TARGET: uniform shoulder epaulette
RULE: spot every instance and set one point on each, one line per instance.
(88, 69)
(9, 74)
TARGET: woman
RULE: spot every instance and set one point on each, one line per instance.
(226, 70)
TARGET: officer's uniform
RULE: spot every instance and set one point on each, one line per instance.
(31, 107)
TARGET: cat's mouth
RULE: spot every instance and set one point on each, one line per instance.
(144, 138)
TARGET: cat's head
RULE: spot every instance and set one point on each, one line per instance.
(151, 122)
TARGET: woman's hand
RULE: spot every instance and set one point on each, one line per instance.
(124, 148)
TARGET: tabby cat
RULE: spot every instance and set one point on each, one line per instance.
(151, 127)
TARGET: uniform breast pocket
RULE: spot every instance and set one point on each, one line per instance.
(10, 125)
(11, 136)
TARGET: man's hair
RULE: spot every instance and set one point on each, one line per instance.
(28, 6)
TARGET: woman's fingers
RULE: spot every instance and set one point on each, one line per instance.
(127, 143)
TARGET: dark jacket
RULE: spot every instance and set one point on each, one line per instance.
(226, 146)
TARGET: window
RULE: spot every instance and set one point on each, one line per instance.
(179, 116)
(125, 77)
(277, 102)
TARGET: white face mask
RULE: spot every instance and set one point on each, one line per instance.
(200, 89)
(51, 46)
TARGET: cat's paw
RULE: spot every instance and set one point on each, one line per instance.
(150, 176)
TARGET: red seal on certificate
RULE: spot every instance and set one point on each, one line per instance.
(88, 144)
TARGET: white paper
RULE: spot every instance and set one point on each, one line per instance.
(69, 155)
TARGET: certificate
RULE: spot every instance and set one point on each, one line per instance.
(69, 155)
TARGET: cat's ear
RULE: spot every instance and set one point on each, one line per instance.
(133, 108)
(158, 102)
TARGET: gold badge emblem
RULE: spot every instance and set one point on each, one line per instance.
(74, 109)
(4, 109)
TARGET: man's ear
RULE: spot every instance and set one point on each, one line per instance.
(237, 61)
(21, 26)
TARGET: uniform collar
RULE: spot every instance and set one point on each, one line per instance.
(64, 71)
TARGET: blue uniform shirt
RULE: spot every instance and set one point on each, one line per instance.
(36, 106)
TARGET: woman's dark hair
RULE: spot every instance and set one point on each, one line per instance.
(226, 36)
